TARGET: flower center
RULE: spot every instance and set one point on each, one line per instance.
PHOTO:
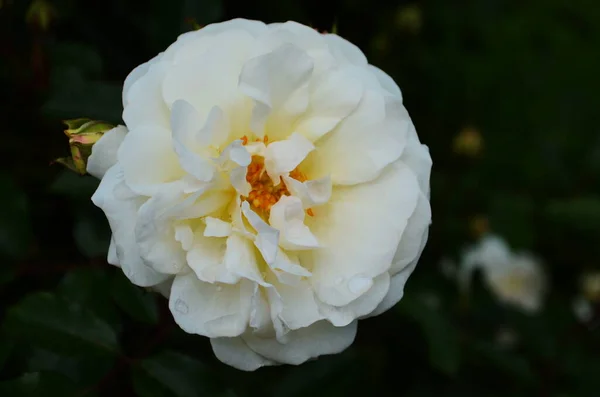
(264, 193)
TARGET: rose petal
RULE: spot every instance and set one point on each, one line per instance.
(364, 143)
(104, 152)
(145, 105)
(236, 353)
(410, 244)
(212, 310)
(312, 192)
(386, 82)
(344, 51)
(267, 237)
(364, 305)
(185, 235)
(417, 157)
(155, 234)
(122, 216)
(148, 160)
(359, 230)
(216, 227)
(332, 98)
(283, 156)
(320, 338)
(206, 259)
(284, 92)
(287, 215)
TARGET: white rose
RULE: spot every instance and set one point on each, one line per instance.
(276, 178)
(515, 278)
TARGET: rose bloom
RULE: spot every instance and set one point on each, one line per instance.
(516, 279)
(271, 183)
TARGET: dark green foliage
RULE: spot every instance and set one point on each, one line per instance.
(523, 73)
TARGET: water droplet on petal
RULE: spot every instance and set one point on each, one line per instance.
(181, 307)
(359, 284)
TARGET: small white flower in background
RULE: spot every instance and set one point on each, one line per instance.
(270, 182)
(516, 279)
(583, 310)
(583, 305)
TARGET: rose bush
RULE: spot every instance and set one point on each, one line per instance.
(270, 183)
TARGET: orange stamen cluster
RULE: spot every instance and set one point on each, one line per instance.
(264, 193)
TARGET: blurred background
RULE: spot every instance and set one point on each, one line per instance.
(504, 93)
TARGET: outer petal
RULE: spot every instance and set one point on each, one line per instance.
(319, 339)
(300, 36)
(333, 96)
(224, 34)
(417, 157)
(155, 235)
(359, 231)
(367, 141)
(122, 216)
(396, 291)
(145, 105)
(284, 92)
(211, 79)
(112, 258)
(410, 244)
(133, 76)
(364, 305)
(148, 160)
(386, 82)
(344, 51)
(104, 152)
(397, 283)
(300, 308)
(236, 353)
(212, 310)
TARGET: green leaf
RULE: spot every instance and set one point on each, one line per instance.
(580, 214)
(135, 301)
(39, 384)
(90, 287)
(48, 321)
(84, 370)
(315, 378)
(72, 185)
(441, 335)
(505, 361)
(74, 96)
(15, 232)
(172, 374)
(91, 232)
(76, 55)
(6, 346)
